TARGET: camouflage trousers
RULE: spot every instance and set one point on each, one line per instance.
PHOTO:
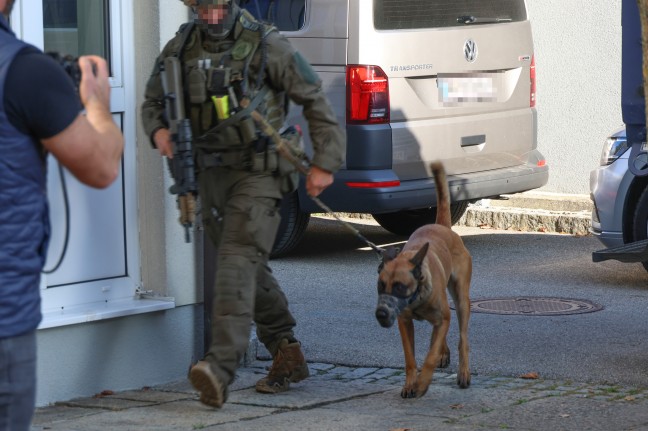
(240, 211)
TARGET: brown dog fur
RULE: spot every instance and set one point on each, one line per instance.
(412, 285)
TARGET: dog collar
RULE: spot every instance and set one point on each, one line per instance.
(415, 295)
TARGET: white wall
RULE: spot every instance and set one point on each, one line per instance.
(578, 66)
(117, 354)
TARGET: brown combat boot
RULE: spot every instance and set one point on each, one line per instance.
(288, 366)
(212, 391)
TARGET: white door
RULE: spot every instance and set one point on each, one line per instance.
(93, 261)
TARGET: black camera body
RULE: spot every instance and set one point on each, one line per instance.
(71, 66)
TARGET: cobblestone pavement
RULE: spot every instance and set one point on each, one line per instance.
(360, 398)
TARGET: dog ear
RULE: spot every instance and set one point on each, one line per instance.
(417, 260)
(420, 255)
(389, 254)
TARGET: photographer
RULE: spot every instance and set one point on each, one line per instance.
(40, 113)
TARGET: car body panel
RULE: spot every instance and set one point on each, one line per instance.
(609, 187)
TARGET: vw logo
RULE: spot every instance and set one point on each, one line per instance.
(470, 50)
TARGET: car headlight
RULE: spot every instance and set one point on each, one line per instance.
(614, 147)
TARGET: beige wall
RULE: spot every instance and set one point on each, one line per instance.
(578, 66)
(169, 265)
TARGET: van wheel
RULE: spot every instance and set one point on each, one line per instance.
(406, 222)
(640, 221)
(292, 226)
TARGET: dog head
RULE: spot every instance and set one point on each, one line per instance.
(399, 278)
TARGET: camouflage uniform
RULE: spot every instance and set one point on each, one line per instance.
(240, 183)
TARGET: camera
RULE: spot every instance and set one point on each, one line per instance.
(71, 66)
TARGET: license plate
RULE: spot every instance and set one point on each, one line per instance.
(472, 88)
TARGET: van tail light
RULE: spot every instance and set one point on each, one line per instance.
(532, 73)
(367, 95)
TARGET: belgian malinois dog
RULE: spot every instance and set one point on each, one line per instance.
(412, 285)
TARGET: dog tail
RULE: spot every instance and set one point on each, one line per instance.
(443, 194)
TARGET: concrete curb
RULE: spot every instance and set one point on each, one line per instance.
(526, 212)
(528, 220)
(533, 212)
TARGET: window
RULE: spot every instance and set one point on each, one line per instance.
(76, 27)
(286, 15)
(412, 14)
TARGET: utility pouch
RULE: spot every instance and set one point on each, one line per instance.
(218, 81)
(197, 86)
(289, 177)
(248, 130)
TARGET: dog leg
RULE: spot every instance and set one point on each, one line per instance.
(459, 292)
(406, 329)
(445, 357)
(439, 334)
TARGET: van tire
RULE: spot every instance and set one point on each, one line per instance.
(405, 222)
(640, 221)
(292, 226)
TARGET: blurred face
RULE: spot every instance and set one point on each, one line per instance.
(213, 13)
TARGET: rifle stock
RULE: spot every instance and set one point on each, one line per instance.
(182, 165)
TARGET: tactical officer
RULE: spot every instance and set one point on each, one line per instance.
(229, 61)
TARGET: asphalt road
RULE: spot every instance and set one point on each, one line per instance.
(330, 283)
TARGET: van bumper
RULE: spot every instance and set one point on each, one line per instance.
(416, 194)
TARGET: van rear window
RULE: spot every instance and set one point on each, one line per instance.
(417, 14)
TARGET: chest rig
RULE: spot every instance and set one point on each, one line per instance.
(218, 76)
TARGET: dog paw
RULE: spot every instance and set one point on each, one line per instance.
(408, 392)
(444, 361)
(463, 380)
(421, 389)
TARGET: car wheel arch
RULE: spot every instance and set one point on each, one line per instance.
(635, 190)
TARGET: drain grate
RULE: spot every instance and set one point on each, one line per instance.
(533, 306)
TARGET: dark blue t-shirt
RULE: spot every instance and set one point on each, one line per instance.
(40, 99)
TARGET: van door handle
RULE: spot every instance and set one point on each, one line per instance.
(471, 141)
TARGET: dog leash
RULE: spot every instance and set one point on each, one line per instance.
(300, 163)
(355, 231)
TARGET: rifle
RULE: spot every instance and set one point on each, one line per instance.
(182, 164)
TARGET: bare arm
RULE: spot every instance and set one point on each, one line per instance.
(91, 147)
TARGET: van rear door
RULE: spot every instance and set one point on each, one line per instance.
(461, 80)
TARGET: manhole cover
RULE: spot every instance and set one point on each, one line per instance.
(533, 306)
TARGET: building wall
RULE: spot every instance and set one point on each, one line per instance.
(117, 354)
(578, 66)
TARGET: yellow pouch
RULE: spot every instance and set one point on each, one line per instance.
(222, 106)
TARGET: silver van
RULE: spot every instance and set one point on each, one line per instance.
(411, 82)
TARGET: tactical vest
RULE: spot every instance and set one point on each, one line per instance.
(218, 76)
(24, 222)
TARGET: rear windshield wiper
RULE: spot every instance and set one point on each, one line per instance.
(470, 19)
